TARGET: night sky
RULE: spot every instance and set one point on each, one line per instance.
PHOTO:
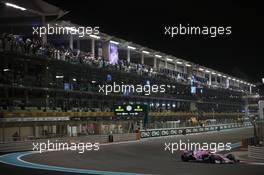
(238, 54)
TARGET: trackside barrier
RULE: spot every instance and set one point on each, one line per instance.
(256, 152)
(28, 145)
(188, 130)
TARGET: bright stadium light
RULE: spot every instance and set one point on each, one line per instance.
(207, 71)
(220, 75)
(229, 78)
(114, 42)
(74, 79)
(59, 76)
(6, 70)
(158, 56)
(95, 36)
(213, 73)
(169, 59)
(146, 52)
(263, 80)
(201, 69)
(178, 62)
(130, 47)
(15, 6)
(188, 65)
(224, 76)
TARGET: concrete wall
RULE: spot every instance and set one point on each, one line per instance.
(28, 145)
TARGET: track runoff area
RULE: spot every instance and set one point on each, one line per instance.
(147, 156)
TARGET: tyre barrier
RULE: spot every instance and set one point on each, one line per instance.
(256, 152)
(189, 130)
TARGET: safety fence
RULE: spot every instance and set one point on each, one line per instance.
(189, 130)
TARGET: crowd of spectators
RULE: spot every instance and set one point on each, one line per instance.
(33, 46)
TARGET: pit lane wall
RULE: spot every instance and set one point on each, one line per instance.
(28, 145)
(147, 133)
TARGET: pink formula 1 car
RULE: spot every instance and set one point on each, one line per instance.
(208, 157)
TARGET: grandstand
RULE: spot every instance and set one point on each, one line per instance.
(49, 85)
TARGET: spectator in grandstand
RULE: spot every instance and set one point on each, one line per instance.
(27, 46)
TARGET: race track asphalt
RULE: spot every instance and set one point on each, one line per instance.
(143, 157)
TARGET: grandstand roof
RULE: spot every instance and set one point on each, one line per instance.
(32, 8)
(35, 8)
(153, 53)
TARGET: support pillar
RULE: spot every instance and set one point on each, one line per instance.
(227, 83)
(210, 79)
(166, 63)
(185, 69)
(155, 63)
(142, 58)
(93, 47)
(128, 55)
(71, 42)
(44, 37)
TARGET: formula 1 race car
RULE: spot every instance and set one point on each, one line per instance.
(208, 157)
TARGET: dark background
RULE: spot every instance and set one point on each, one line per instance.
(238, 54)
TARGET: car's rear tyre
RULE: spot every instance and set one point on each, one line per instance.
(184, 158)
(211, 160)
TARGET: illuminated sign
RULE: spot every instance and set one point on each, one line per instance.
(129, 110)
